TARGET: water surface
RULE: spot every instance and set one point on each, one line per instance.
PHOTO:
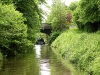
(22, 65)
(40, 61)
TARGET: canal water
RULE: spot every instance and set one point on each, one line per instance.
(49, 64)
(40, 61)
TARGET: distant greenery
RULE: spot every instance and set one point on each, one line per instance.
(58, 19)
(57, 16)
(80, 48)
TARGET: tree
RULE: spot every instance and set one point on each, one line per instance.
(31, 12)
(58, 16)
(13, 31)
(19, 21)
(73, 5)
(89, 15)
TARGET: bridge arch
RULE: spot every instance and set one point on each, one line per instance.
(46, 28)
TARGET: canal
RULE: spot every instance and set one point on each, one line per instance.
(40, 61)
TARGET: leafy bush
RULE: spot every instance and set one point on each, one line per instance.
(87, 15)
(58, 16)
(13, 31)
(53, 36)
(80, 48)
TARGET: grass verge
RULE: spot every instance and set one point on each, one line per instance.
(81, 49)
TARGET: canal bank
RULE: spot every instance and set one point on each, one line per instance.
(51, 63)
(80, 48)
(71, 69)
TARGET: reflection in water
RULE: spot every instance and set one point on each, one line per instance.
(41, 61)
(49, 64)
(57, 68)
(42, 53)
(45, 67)
(23, 65)
(38, 51)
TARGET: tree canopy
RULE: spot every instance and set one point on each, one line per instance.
(19, 22)
(13, 31)
(58, 16)
(31, 11)
(73, 5)
(87, 15)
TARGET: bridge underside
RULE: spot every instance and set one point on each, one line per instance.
(46, 31)
(46, 28)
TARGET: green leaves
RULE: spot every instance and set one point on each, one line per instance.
(73, 5)
(12, 28)
(31, 12)
(88, 15)
(18, 26)
(80, 48)
(58, 16)
(91, 13)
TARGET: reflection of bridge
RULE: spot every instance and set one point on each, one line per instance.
(46, 28)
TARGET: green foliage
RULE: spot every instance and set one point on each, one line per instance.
(87, 15)
(6, 1)
(18, 29)
(53, 36)
(1, 56)
(76, 16)
(90, 12)
(73, 5)
(95, 66)
(58, 16)
(13, 31)
(80, 48)
(32, 13)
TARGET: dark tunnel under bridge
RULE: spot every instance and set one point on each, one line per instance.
(47, 29)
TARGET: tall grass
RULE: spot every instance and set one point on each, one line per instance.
(82, 49)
